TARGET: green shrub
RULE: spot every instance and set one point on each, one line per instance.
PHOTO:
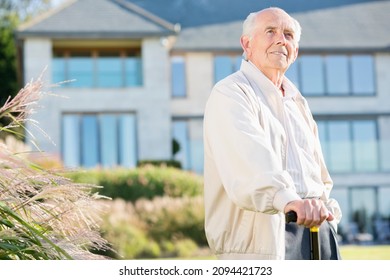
(147, 181)
(158, 228)
(160, 163)
(185, 248)
(126, 233)
(170, 218)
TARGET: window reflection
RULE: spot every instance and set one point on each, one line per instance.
(188, 134)
(362, 75)
(312, 75)
(224, 65)
(337, 74)
(344, 75)
(350, 146)
(100, 69)
(292, 73)
(89, 141)
(340, 146)
(81, 71)
(106, 140)
(109, 72)
(178, 76)
(365, 145)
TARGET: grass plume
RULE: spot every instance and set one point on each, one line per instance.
(42, 214)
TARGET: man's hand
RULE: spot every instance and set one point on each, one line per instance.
(310, 212)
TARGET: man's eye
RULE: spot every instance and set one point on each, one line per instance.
(289, 35)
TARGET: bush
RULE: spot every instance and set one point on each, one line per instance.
(158, 228)
(156, 211)
(173, 218)
(159, 163)
(146, 181)
(186, 248)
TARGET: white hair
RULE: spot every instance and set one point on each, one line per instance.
(249, 25)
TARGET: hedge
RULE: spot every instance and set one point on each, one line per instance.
(147, 181)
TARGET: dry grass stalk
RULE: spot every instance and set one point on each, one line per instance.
(42, 214)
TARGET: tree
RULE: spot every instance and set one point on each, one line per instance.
(8, 76)
(12, 13)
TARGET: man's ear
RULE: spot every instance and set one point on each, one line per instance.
(245, 44)
(296, 53)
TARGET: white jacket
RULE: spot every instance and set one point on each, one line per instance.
(246, 185)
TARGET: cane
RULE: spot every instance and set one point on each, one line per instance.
(315, 249)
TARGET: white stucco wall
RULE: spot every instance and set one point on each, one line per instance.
(199, 79)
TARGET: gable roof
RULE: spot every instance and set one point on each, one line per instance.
(97, 19)
(217, 24)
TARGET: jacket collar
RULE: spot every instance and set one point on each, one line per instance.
(269, 92)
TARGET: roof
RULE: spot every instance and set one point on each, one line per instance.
(359, 26)
(217, 24)
(97, 19)
(195, 13)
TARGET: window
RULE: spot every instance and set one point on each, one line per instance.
(179, 85)
(350, 145)
(106, 140)
(225, 65)
(312, 75)
(109, 70)
(337, 74)
(334, 75)
(188, 134)
(362, 75)
(97, 68)
(181, 135)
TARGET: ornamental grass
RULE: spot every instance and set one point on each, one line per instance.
(42, 215)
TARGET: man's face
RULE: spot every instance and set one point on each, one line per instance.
(273, 45)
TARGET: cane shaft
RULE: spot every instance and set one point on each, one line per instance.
(315, 249)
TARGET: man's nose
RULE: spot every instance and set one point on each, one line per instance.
(281, 39)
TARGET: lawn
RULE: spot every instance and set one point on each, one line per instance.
(372, 252)
(348, 252)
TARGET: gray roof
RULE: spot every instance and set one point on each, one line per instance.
(217, 24)
(191, 13)
(360, 26)
(97, 19)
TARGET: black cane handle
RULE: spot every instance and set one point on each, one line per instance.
(291, 217)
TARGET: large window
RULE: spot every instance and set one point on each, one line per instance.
(350, 145)
(334, 75)
(225, 65)
(91, 140)
(97, 68)
(366, 212)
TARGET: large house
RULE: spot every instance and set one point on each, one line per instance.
(140, 72)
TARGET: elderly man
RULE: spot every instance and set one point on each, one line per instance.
(262, 154)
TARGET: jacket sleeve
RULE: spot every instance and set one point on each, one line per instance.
(249, 169)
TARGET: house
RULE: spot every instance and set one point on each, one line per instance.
(143, 69)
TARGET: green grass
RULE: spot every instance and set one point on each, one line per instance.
(348, 252)
(372, 252)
